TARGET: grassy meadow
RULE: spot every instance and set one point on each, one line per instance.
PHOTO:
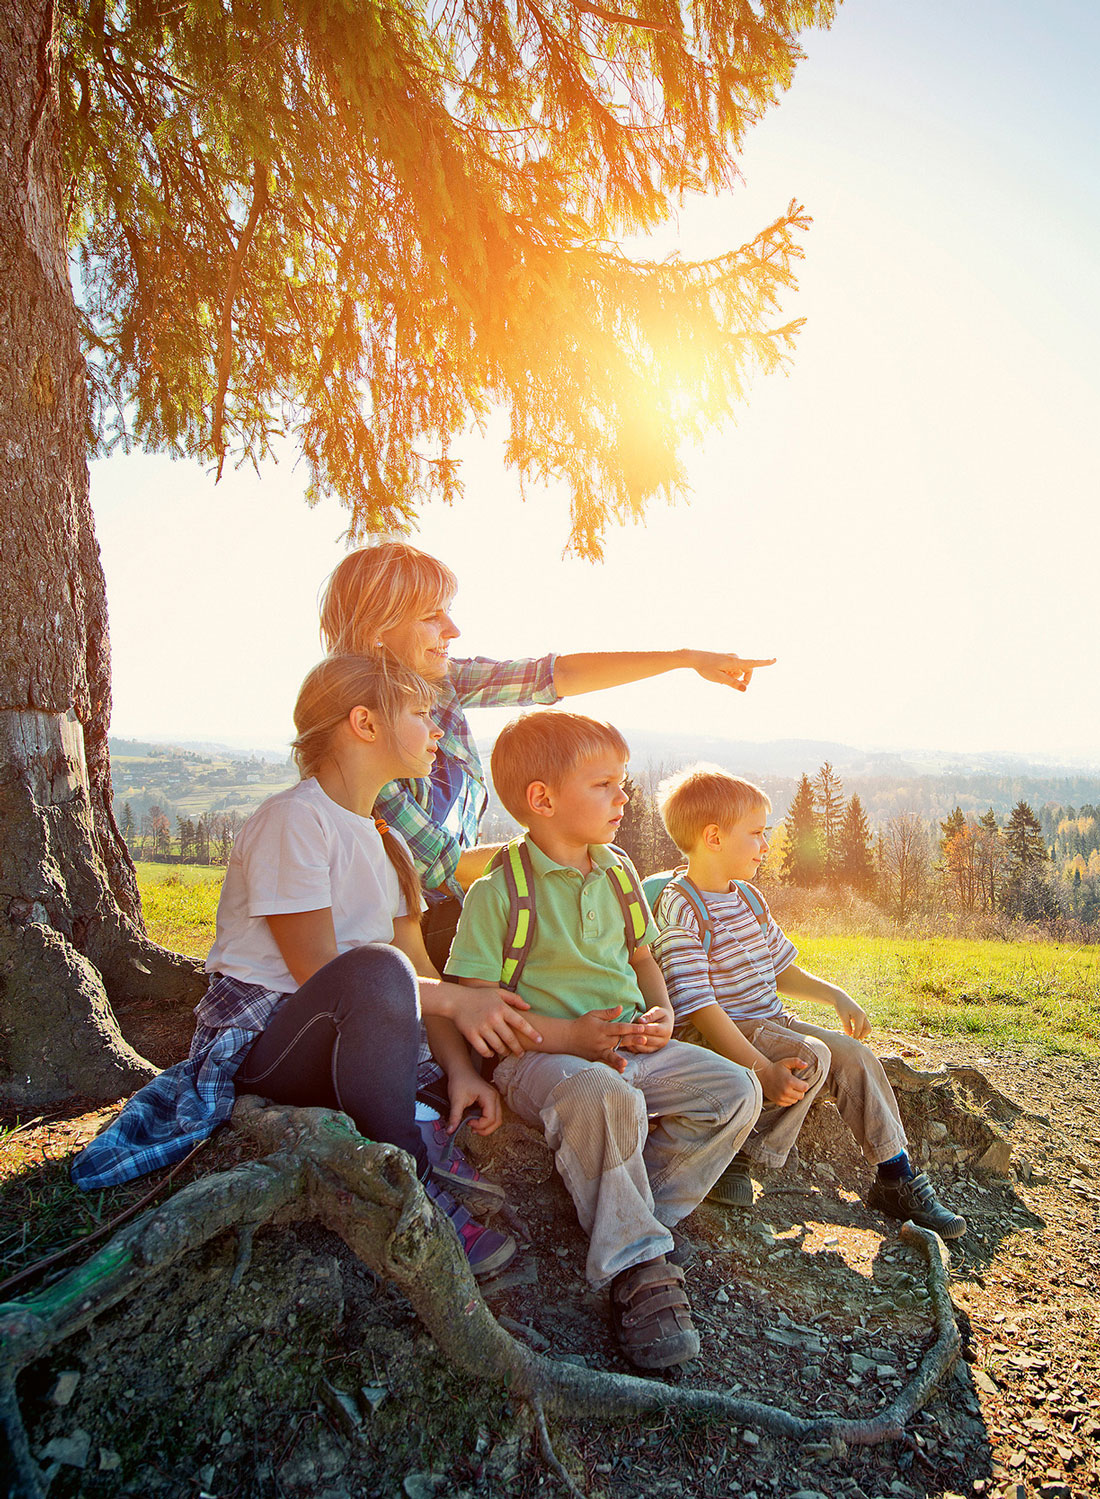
(180, 902)
(1026, 996)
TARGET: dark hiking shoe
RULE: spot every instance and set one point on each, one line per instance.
(650, 1315)
(487, 1249)
(683, 1251)
(915, 1199)
(455, 1174)
(733, 1189)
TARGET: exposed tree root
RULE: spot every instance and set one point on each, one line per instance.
(320, 1168)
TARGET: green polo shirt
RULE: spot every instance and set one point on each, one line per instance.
(578, 959)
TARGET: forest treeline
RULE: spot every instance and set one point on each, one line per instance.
(1039, 866)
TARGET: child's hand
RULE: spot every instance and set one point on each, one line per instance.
(852, 1018)
(599, 1036)
(490, 1020)
(778, 1084)
(657, 1033)
(469, 1091)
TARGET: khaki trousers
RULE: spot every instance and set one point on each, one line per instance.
(837, 1066)
(632, 1180)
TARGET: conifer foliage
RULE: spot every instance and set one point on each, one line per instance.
(365, 223)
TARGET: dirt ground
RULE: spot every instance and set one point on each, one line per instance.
(297, 1374)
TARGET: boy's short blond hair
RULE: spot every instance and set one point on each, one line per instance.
(546, 746)
(694, 798)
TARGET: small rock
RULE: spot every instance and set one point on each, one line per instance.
(1055, 1491)
(721, 1296)
(886, 1371)
(72, 1449)
(423, 1485)
(984, 1383)
(937, 1131)
(109, 1462)
(997, 1159)
(65, 1388)
(750, 1439)
(861, 1365)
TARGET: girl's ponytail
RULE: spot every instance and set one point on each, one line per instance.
(408, 880)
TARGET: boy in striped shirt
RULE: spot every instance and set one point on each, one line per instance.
(725, 971)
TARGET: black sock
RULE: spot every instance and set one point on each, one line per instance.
(897, 1169)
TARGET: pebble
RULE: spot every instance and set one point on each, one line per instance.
(750, 1439)
(72, 1449)
(65, 1388)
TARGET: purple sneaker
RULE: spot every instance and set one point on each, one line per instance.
(486, 1249)
(452, 1171)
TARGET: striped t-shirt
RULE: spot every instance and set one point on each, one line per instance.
(739, 971)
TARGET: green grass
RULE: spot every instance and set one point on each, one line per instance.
(1039, 997)
(179, 902)
(1023, 996)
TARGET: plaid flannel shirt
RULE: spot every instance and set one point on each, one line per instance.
(406, 805)
(186, 1102)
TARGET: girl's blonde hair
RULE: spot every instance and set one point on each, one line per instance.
(377, 588)
(330, 691)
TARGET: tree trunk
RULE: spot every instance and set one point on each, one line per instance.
(70, 919)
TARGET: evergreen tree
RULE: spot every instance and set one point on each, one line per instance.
(359, 225)
(127, 827)
(803, 857)
(829, 807)
(1025, 892)
(1023, 838)
(990, 856)
(856, 863)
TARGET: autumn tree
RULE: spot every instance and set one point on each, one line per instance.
(803, 857)
(358, 226)
(906, 864)
(960, 860)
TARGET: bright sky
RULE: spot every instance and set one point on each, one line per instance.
(901, 519)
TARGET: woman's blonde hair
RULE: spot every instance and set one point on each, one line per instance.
(377, 588)
(330, 691)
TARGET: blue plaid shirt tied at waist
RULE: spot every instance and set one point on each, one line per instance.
(438, 818)
(186, 1102)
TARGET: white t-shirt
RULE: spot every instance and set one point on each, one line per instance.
(301, 851)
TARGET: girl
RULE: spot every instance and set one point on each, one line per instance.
(395, 598)
(315, 994)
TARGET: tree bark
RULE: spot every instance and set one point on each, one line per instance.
(70, 918)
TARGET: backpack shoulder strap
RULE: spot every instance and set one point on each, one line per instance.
(515, 862)
(694, 897)
(755, 902)
(629, 894)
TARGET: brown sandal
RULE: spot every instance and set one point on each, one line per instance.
(651, 1317)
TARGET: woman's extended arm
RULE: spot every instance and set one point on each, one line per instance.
(589, 671)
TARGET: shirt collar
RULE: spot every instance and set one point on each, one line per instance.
(600, 854)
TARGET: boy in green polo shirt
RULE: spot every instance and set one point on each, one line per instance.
(641, 1126)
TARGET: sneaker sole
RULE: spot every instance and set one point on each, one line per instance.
(732, 1195)
(480, 1199)
(503, 1255)
(666, 1355)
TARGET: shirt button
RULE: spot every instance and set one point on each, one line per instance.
(591, 915)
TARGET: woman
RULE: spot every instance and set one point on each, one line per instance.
(395, 599)
(318, 970)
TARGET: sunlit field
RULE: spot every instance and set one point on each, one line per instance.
(1028, 996)
(179, 902)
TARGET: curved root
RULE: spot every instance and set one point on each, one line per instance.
(368, 1194)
